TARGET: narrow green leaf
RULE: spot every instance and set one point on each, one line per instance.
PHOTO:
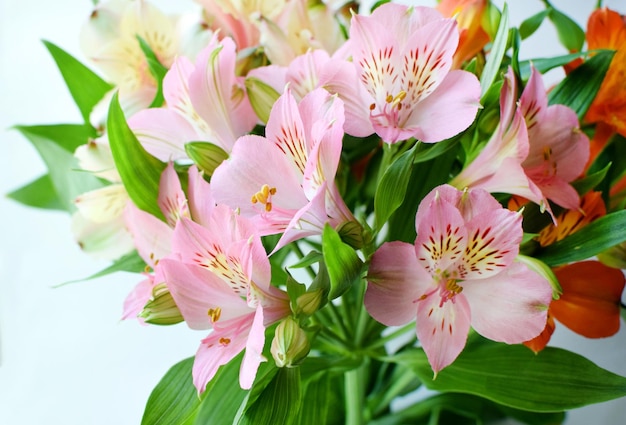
(392, 187)
(279, 402)
(157, 70)
(590, 181)
(86, 87)
(140, 171)
(316, 402)
(592, 239)
(174, 400)
(544, 65)
(39, 193)
(313, 257)
(580, 87)
(342, 262)
(131, 263)
(492, 66)
(552, 381)
(206, 156)
(56, 144)
(571, 36)
(530, 25)
(223, 396)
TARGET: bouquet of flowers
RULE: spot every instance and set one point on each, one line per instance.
(354, 202)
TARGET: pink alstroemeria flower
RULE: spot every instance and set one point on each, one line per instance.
(205, 102)
(285, 181)
(219, 277)
(559, 150)
(153, 237)
(403, 56)
(461, 271)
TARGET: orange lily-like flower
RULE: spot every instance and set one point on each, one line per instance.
(591, 291)
(472, 35)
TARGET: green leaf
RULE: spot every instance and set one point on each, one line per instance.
(592, 239)
(342, 262)
(86, 87)
(553, 380)
(39, 193)
(140, 171)
(223, 396)
(317, 398)
(279, 402)
(580, 87)
(392, 187)
(157, 70)
(492, 66)
(206, 156)
(530, 25)
(131, 263)
(587, 183)
(174, 400)
(56, 145)
(569, 32)
(313, 257)
(544, 65)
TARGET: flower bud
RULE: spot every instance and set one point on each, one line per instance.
(262, 97)
(309, 302)
(161, 309)
(351, 233)
(205, 155)
(290, 344)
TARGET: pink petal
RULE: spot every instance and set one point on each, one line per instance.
(137, 299)
(151, 236)
(395, 283)
(511, 306)
(442, 329)
(254, 349)
(171, 197)
(201, 202)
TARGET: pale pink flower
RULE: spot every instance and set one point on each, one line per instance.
(285, 180)
(205, 102)
(403, 57)
(219, 277)
(461, 271)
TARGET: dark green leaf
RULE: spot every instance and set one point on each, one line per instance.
(206, 156)
(84, 85)
(590, 181)
(569, 32)
(592, 239)
(174, 400)
(39, 193)
(497, 53)
(157, 70)
(56, 145)
(530, 25)
(279, 402)
(580, 87)
(392, 187)
(342, 262)
(318, 396)
(131, 263)
(552, 381)
(544, 65)
(140, 171)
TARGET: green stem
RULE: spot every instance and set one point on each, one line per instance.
(396, 389)
(332, 309)
(355, 396)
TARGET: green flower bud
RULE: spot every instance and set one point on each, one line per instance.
(205, 155)
(351, 232)
(161, 309)
(262, 97)
(290, 344)
(309, 302)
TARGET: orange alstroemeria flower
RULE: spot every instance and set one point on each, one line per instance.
(606, 29)
(472, 36)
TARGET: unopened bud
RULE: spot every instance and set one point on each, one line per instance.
(290, 344)
(351, 233)
(309, 302)
(205, 155)
(262, 97)
(161, 309)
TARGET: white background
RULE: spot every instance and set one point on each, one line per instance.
(65, 356)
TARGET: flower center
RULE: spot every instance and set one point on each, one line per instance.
(264, 196)
(448, 290)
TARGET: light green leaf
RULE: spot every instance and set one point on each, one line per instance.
(157, 70)
(553, 380)
(140, 171)
(392, 187)
(342, 262)
(206, 156)
(569, 32)
(56, 145)
(174, 400)
(592, 239)
(318, 396)
(39, 193)
(86, 87)
(530, 25)
(131, 263)
(544, 65)
(492, 66)
(279, 402)
(580, 87)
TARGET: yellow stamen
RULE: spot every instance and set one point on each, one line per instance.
(263, 196)
(214, 314)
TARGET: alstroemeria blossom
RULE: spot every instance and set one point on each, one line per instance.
(219, 277)
(285, 180)
(403, 56)
(204, 102)
(461, 271)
